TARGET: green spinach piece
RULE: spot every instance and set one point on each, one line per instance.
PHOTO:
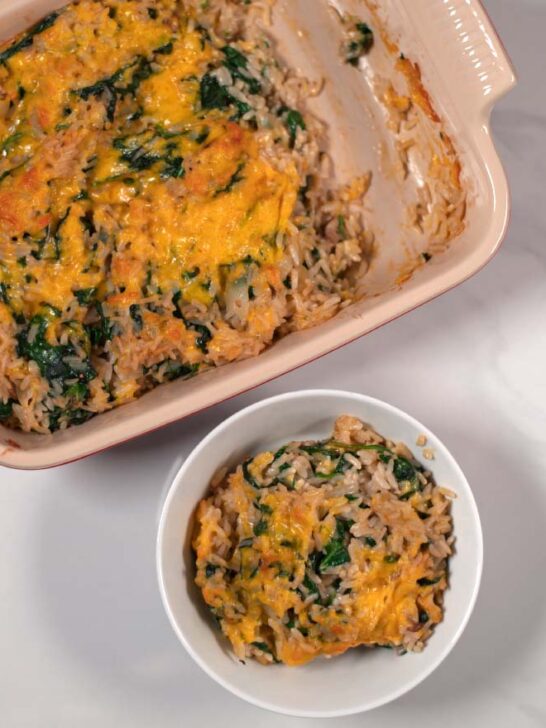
(237, 64)
(341, 466)
(427, 582)
(49, 246)
(10, 141)
(6, 409)
(112, 93)
(215, 96)
(55, 362)
(361, 45)
(203, 332)
(173, 168)
(79, 391)
(28, 39)
(212, 94)
(263, 647)
(260, 528)
(136, 315)
(336, 553)
(103, 330)
(72, 417)
(403, 470)
(179, 371)
(85, 296)
(264, 508)
(236, 177)
(165, 50)
(293, 121)
(135, 157)
(310, 585)
(280, 452)
(247, 475)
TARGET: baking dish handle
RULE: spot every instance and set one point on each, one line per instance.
(485, 73)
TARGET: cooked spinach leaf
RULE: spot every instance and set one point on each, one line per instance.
(403, 469)
(110, 89)
(80, 391)
(70, 416)
(135, 157)
(215, 96)
(310, 585)
(102, 331)
(280, 452)
(248, 475)
(174, 370)
(427, 582)
(237, 64)
(264, 508)
(173, 167)
(135, 314)
(336, 553)
(212, 94)
(6, 409)
(359, 45)
(165, 50)
(210, 570)
(85, 295)
(341, 466)
(236, 177)
(56, 363)
(293, 121)
(263, 647)
(49, 245)
(204, 334)
(28, 39)
(260, 528)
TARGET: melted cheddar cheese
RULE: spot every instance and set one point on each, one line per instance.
(134, 200)
(292, 571)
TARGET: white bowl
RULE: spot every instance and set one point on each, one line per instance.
(361, 679)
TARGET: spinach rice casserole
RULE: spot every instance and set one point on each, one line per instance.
(324, 546)
(164, 205)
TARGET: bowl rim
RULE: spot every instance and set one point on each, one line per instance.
(160, 543)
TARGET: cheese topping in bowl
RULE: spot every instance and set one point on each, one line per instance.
(324, 546)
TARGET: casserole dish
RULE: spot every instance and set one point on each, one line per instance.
(464, 71)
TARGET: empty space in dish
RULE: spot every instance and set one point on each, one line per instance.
(464, 71)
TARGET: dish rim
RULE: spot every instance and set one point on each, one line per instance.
(232, 421)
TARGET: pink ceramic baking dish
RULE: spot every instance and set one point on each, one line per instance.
(465, 70)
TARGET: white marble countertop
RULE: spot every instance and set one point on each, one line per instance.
(84, 641)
